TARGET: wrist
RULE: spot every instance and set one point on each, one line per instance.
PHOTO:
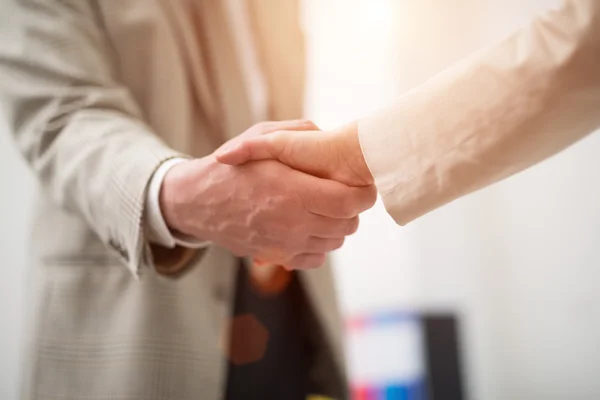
(177, 194)
(349, 146)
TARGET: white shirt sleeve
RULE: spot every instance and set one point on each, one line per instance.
(158, 231)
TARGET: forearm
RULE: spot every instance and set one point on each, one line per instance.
(491, 116)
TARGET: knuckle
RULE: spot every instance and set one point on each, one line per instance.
(295, 263)
(309, 244)
(330, 245)
(301, 262)
(347, 207)
(307, 123)
(316, 261)
(352, 226)
(339, 243)
(371, 197)
(305, 262)
(335, 206)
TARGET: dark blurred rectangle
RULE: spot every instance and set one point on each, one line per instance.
(442, 357)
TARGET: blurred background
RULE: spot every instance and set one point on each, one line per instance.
(515, 267)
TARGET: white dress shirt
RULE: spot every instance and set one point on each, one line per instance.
(254, 80)
(158, 231)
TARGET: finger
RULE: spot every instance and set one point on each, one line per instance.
(336, 200)
(332, 228)
(257, 148)
(320, 245)
(306, 261)
(267, 127)
(260, 129)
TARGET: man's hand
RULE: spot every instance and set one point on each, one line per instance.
(332, 155)
(263, 209)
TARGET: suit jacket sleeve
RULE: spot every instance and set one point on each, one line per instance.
(79, 129)
(492, 115)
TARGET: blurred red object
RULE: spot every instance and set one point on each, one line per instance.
(244, 340)
(269, 279)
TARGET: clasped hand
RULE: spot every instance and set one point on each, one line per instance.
(297, 201)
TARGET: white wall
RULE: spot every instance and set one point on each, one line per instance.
(16, 193)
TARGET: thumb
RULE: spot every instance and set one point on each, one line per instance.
(253, 149)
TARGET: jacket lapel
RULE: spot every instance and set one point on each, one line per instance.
(225, 67)
(207, 45)
(281, 44)
(212, 68)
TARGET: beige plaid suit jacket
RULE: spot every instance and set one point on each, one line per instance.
(98, 93)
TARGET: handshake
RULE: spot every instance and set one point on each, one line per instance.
(284, 192)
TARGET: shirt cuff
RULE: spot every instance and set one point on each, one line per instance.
(158, 231)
